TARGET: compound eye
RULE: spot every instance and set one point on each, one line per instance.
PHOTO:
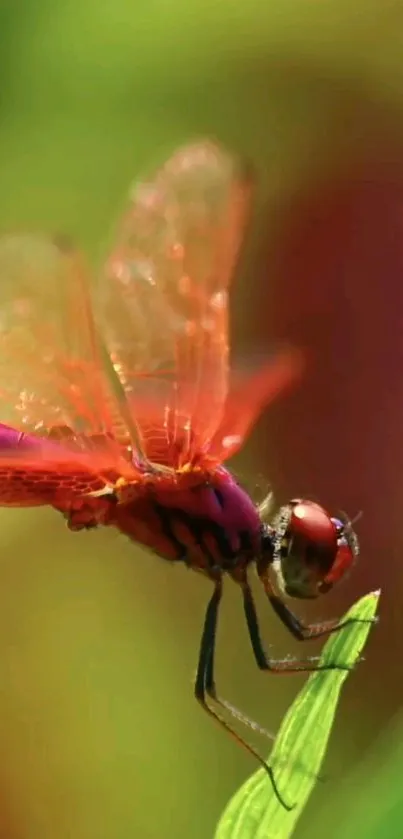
(344, 561)
(312, 523)
(305, 547)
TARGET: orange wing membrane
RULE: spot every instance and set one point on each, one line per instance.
(144, 385)
(34, 481)
(163, 302)
(52, 376)
(164, 298)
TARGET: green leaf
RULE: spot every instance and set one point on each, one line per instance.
(254, 812)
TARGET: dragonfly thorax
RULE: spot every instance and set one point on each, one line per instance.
(210, 523)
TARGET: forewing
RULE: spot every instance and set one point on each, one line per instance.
(52, 374)
(249, 395)
(164, 298)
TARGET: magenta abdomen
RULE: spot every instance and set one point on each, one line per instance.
(11, 439)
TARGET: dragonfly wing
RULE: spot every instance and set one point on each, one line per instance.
(52, 371)
(249, 394)
(164, 298)
(30, 481)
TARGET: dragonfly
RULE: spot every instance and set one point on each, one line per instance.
(120, 405)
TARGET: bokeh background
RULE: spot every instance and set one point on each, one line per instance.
(100, 737)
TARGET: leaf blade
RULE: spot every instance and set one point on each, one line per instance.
(254, 811)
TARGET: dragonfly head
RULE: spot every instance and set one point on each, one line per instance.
(312, 551)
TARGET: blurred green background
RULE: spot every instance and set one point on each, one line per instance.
(100, 737)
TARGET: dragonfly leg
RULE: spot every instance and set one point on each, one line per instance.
(300, 630)
(205, 687)
(278, 665)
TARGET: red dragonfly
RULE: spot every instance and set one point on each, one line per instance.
(122, 412)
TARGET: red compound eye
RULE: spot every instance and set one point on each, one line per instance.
(311, 522)
(347, 553)
(343, 562)
(313, 550)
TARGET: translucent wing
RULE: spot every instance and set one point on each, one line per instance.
(248, 396)
(52, 374)
(164, 299)
(151, 382)
(35, 471)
